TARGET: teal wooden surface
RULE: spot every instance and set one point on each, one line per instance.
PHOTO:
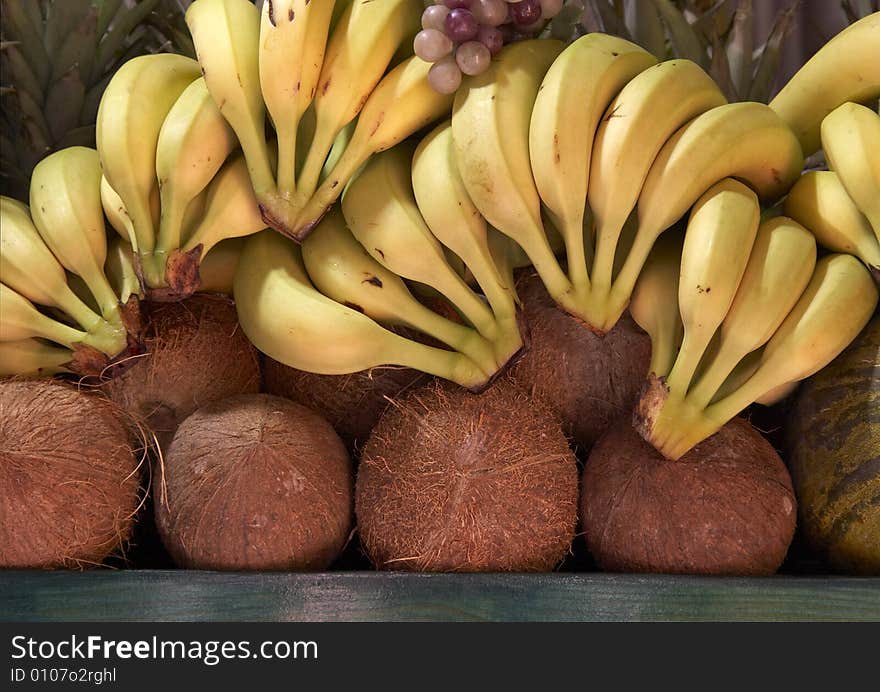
(370, 596)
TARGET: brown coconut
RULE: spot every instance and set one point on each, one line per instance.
(589, 380)
(452, 481)
(69, 481)
(726, 507)
(351, 403)
(195, 354)
(254, 482)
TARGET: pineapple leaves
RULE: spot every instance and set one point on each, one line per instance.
(114, 41)
(740, 47)
(686, 42)
(17, 26)
(645, 26)
(768, 65)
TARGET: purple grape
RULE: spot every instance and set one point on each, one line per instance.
(490, 12)
(492, 38)
(525, 12)
(431, 45)
(461, 26)
(458, 4)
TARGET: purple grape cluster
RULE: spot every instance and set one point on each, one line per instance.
(461, 36)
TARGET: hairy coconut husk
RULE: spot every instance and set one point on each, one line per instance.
(726, 507)
(451, 481)
(589, 380)
(195, 354)
(351, 403)
(254, 482)
(69, 481)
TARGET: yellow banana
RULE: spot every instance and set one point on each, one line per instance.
(490, 129)
(639, 121)
(401, 104)
(851, 140)
(719, 238)
(193, 144)
(342, 270)
(130, 116)
(654, 304)
(293, 36)
(573, 96)
(226, 35)
(217, 270)
(290, 321)
(847, 68)
(780, 266)
(65, 203)
(746, 140)
(380, 209)
(120, 270)
(21, 320)
(358, 53)
(819, 202)
(33, 358)
(117, 215)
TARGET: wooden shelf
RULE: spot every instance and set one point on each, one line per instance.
(161, 595)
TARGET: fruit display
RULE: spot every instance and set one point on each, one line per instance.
(411, 263)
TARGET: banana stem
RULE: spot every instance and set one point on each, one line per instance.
(170, 224)
(607, 238)
(319, 149)
(622, 288)
(576, 257)
(287, 135)
(107, 338)
(663, 354)
(81, 313)
(685, 366)
(718, 370)
(152, 268)
(450, 365)
(106, 297)
(554, 279)
(469, 304)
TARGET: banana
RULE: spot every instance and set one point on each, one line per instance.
(117, 215)
(33, 358)
(490, 129)
(454, 220)
(231, 209)
(401, 104)
(654, 305)
(745, 140)
(358, 53)
(719, 238)
(851, 140)
(21, 320)
(639, 121)
(65, 203)
(120, 270)
(226, 35)
(293, 36)
(780, 266)
(285, 317)
(130, 116)
(342, 270)
(569, 105)
(194, 141)
(847, 68)
(838, 302)
(380, 209)
(819, 202)
(217, 270)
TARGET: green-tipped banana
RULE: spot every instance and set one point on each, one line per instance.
(568, 108)
(194, 141)
(654, 304)
(293, 36)
(226, 35)
(130, 117)
(747, 141)
(33, 358)
(342, 270)
(289, 320)
(780, 266)
(819, 202)
(639, 121)
(719, 238)
(65, 203)
(453, 219)
(490, 127)
(851, 140)
(359, 51)
(21, 320)
(402, 103)
(380, 209)
(847, 68)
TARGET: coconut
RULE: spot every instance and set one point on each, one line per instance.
(452, 481)
(254, 482)
(69, 482)
(351, 403)
(589, 380)
(725, 507)
(195, 354)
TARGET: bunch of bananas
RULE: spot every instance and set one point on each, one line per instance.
(52, 255)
